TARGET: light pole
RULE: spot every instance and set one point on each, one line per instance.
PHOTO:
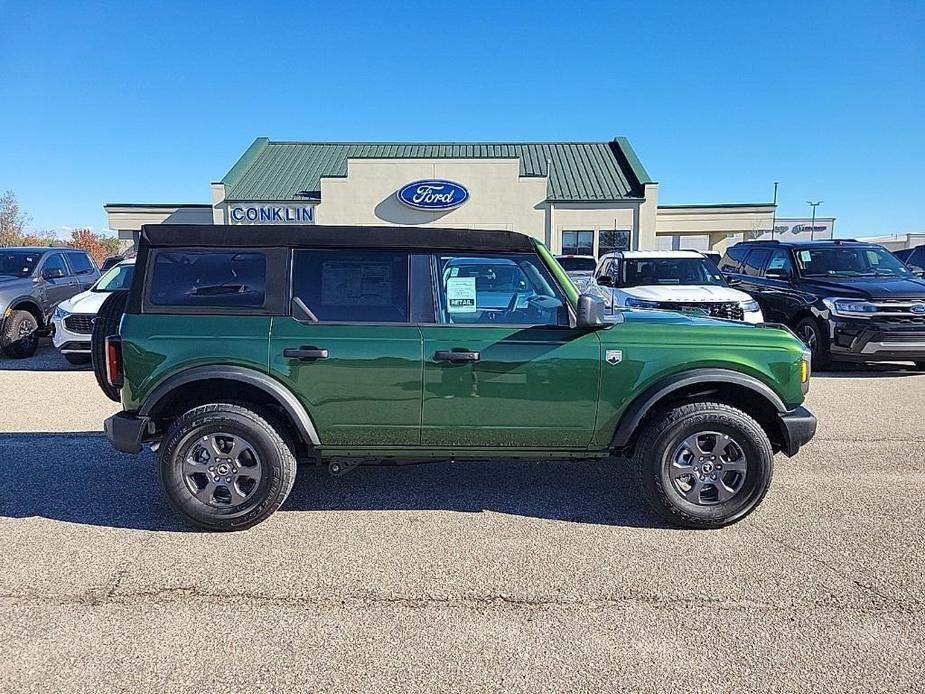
(774, 211)
(812, 228)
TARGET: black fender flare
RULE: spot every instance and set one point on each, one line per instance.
(641, 406)
(269, 385)
(25, 299)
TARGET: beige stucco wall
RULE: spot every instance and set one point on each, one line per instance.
(499, 198)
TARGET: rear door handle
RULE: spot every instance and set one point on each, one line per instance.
(456, 355)
(305, 353)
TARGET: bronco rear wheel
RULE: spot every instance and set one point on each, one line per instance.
(704, 465)
(225, 467)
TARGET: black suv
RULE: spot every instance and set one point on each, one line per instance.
(913, 257)
(847, 300)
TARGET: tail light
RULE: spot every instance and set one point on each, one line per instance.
(114, 361)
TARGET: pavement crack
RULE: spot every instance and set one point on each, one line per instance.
(113, 596)
(866, 586)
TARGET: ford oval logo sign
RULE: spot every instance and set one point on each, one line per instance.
(433, 194)
(917, 308)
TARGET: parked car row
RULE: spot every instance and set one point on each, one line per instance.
(847, 300)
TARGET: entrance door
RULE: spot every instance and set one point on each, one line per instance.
(502, 367)
(349, 350)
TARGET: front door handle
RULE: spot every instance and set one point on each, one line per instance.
(456, 355)
(305, 353)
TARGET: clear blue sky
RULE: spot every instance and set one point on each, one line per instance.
(149, 102)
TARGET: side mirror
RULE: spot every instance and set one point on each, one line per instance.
(918, 271)
(590, 311)
(778, 273)
(605, 281)
(53, 273)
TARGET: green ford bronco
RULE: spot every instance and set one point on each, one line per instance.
(242, 350)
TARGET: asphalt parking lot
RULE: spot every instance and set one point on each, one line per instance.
(481, 577)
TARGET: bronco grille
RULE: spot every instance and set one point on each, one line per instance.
(726, 309)
(81, 324)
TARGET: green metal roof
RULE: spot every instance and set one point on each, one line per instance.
(580, 171)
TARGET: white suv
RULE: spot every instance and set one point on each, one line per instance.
(73, 319)
(684, 281)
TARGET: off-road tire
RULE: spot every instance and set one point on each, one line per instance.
(105, 324)
(13, 342)
(822, 357)
(275, 455)
(664, 431)
(78, 359)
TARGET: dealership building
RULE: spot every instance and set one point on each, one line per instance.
(577, 197)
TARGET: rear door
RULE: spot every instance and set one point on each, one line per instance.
(83, 269)
(502, 367)
(350, 350)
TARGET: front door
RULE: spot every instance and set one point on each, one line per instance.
(349, 350)
(58, 282)
(502, 367)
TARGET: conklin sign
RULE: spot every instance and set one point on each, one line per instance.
(271, 214)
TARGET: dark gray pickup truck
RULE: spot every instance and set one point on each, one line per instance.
(33, 281)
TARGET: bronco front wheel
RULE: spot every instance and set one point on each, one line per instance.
(225, 467)
(704, 465)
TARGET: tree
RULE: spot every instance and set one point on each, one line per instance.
(12, 220)
(98, 246)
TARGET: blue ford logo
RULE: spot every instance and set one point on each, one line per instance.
(917, 308)
(433, 194)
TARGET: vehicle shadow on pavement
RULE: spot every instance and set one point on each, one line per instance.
(599, 492)
(78, 478)
(47, 358)
(869, 370)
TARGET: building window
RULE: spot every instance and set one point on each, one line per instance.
(578, 242)
(609, 240)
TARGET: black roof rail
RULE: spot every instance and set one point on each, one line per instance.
(760, 241)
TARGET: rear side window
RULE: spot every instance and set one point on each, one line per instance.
(756, 261)
(367, 286)
(80, 263)
(732, 261)
(209, 278)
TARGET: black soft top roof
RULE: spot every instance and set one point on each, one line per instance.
(265, 235)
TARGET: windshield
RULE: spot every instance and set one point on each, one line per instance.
(637, 272)
(18, 263)
(118, 277)
(577, 264)
(840, 261)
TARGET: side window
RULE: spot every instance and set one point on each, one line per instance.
(578, 243)
(780, 260)
(55, 266)
(80, 263)
(732, 260)
(363, 286)
(498, 289)
(603, 267)
(917, 258)
(206, 278)
(755, 262)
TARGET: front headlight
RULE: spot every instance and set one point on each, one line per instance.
(640, 303)
(749, 306)
(856, 308)
(60, 313)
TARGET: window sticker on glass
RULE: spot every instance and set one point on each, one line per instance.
(353, 283)
(805, 256)
(460, 295)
